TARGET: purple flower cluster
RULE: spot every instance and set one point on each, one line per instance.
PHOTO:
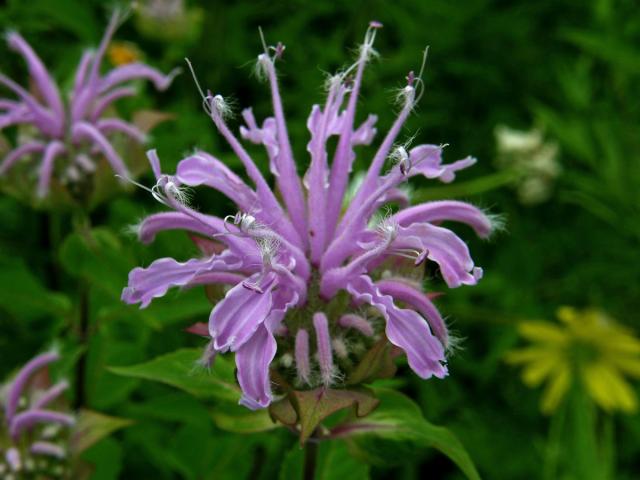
(78, 130)
(22, 416)
(315, 275)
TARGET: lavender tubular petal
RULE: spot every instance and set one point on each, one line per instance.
(21, 379)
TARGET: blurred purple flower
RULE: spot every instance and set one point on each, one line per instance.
(22, 415)
(77, 130)
(288, 262)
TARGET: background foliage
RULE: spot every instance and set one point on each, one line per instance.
(570, 68)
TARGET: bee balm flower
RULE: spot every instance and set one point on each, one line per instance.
(66, 136)
(32, 428)
(311, 282)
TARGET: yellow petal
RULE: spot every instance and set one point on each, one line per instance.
(608, 388)
(542, 332)
(556, 389)
(529, 354)
(569, 316)
(535, 372)
(597, 386)
(623, 342)
(627, 364)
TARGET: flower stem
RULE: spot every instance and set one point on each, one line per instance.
(554, 443)
(53, 221)
(310, 460)
(83, 338)
(82, 226)
(469, 188)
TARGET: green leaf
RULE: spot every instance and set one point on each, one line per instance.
(73, 15)
(93, 427)
(23, 295)
(174, 407)
(179, 369)
(101, 462)
(97, 255)
(335, 462)
(292, 467)
(239, 419)
(399, 419)
(617, 52)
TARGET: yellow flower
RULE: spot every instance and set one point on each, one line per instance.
(587, 346)
(122, 53)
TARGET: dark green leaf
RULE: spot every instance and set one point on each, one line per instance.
(93, 427)
(179, 369)
(400, 420)
(22, 293)
(239, 419)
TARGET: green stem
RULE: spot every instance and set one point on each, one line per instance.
(553, 449)
(310, 460)
(83, 339)
(82, 225)
(54, 235)
(582, 439)
(469, 188)
(608, 448)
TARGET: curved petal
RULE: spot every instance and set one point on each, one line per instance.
(446, 210)
(253, 360)
(14, 116)
(84, 130)
(366, 131)
(27, 420)
(133, 71)
(203, 169)
(405, 329)
(50, 395)
(234, 319)
(443, 247)
(109, 125)
(206, 225)
(427, 160)
(145, 284)
(418, 300)
(102, 103)
(265, 135)
(47, 448)
(22, 378)
(81, 72)
(42, 117)
(39, 74)
(53, 150)
(19, 152)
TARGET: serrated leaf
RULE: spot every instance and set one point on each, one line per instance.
(179, 369)
(399, 419)
(309, 408)
(93, 427)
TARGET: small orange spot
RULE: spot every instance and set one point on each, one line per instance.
(122, 53)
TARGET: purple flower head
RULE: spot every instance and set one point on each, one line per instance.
(66, 136)
(314, 278)
(31, 427)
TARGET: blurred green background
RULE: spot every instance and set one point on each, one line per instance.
(568, 70)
